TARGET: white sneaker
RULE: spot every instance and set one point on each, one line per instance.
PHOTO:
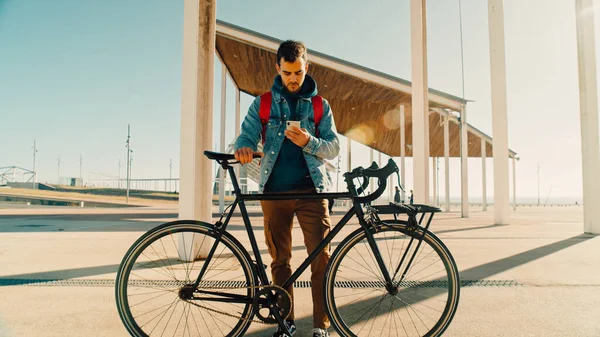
(316, 332)
(290, 325)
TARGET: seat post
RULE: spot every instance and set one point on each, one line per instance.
(234, 181)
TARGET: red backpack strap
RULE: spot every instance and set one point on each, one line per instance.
(317, 102)
(265, 112)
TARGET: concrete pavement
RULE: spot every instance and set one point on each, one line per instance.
(539, 276)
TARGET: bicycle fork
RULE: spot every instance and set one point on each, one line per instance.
(390, 285)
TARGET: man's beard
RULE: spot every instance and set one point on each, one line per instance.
(290, 89)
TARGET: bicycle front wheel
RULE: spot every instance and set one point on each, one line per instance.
(155, 289)
(425, 290)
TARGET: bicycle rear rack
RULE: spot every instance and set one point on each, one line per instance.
(411, 210)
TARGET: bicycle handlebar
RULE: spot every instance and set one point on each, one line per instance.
(365, 182)
(370, 172)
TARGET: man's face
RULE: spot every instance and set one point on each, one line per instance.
(292, 74)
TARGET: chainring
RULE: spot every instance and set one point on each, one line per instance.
(270, 298)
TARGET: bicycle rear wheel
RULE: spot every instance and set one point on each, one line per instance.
(154, 285)
(356, 297)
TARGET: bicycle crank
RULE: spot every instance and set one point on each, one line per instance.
(272, 298)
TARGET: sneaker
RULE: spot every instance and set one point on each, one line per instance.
(320, 333)
(290, 325)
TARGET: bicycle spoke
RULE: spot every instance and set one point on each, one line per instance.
(375, 314)
(156, 271)
(203, 319)
(179, 322)
(368, 249)
(415, 308)
(156, 287)
(425, 305)
(367, 310)
(368, 265)
(148, 300)
(368, 291)
(163, 314)
(191, 307)
(172, 273)
(424, 297)
(171, 316)
(154, 310)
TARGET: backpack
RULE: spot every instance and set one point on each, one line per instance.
(265, 112)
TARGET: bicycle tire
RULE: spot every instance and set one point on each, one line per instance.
(421, 292)
(153, 272)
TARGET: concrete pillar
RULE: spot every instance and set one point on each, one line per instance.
(588, 105)
(447, 160)
(349, 154)
(199, 34)
(499, 115)
(464, 156)
(222, 172)
(371, 180)
(420, 103)
(514, 184)
(237, 126)
(435, 181)
(402, 152)
(483, 174)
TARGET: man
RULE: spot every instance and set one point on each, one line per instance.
(293, 162)
(397, 195)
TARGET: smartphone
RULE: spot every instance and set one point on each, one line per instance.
(294, 123)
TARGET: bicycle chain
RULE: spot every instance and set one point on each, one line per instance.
(239, 317)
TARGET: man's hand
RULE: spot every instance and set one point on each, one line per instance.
(298, 136)
(245, 155)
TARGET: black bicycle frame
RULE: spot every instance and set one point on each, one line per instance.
(264, 280)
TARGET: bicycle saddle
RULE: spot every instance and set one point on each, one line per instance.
(218, 155)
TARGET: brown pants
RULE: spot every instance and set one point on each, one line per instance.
(315, 223)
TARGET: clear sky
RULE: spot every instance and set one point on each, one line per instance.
(73, 74)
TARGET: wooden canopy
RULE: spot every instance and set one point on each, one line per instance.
(365, 103)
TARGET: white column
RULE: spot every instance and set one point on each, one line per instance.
(435, 181)
(514, 183)
(199, 33)
(420, 103)
(464, 156)
(371, 180)
(588, 105)
(483, 174)
(237, 127)
(447, 160)
(402, 152)
(389, 186)
(499, 117)
(349, 154)
(222, 134)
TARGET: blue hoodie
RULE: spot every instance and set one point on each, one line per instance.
(290, 171)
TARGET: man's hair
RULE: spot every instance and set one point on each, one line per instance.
(291, 51)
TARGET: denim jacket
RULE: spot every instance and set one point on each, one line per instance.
(326, 146)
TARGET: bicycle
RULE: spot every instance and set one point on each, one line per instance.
(386, 278)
